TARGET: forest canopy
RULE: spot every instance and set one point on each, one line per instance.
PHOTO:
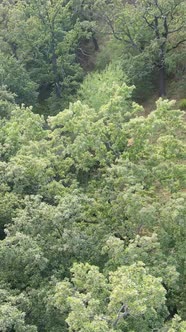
(92, 194)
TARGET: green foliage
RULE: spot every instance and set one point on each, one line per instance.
(94, 302)
(11, 315)
(7, 99)
(102, 85)
(22, 127)
(17, 79)
(93, 214)
(148, 33)
(176, 325)
(146, 249)
(38, 54)
(182, 104)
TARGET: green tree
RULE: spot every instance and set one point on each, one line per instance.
(41, 38)
(14, 75)
(93, 213)
(127, 297)
(12, 315)
(150, 32)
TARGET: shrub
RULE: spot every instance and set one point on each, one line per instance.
(182, 104)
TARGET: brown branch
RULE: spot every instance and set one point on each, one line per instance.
(156, 27)
(122, 313)
(157, 5)
(151, 25)
(59, 231)
(176, 30)
(128, 34)
(109, 22)
(175, 46)
(165, 27)
(83, 52)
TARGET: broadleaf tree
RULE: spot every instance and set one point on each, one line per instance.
(93, 214)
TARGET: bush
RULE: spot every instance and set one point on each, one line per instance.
(182, 104)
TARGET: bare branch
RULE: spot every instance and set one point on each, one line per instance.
(151, 25)
(157, 5)
(122, 313)
(82, 51)
(166, 29)
(131, 41)
(175, 46)
(59, 231)
(156, 27)
(176, 30)
(112, 28)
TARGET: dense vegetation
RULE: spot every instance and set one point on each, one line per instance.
(92, 195)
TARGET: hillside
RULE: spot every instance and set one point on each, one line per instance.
(92, 166)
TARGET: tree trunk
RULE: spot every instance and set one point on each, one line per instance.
(162, 73)
(55, 69)
(56, 81)
(95, 42)
(162, 81)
